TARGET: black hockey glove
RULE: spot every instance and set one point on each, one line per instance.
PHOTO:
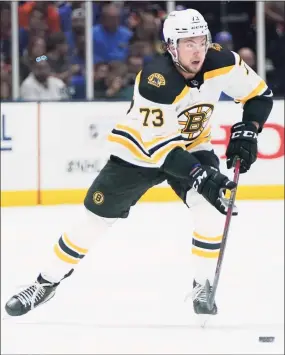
(243, 143)
(211, 184)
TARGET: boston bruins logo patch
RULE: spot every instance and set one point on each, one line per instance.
(216, 46)
(98, 198)
(194, 119)
(156, 79)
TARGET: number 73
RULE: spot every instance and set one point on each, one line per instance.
(155, 115)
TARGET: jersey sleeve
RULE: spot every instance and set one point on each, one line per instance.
(244, 82)
(249, 89)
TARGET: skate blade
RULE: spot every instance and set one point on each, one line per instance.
(202, 320)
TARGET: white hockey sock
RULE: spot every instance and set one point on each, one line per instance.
(207, 237)
(74, 244)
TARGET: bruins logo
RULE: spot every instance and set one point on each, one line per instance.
(216, 46)
(98, 198)
(156, 79)
(194, 119)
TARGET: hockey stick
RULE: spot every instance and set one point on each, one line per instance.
(211, 298)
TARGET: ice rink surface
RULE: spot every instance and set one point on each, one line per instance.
(127, 296)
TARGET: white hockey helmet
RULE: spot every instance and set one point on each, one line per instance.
(184, 24)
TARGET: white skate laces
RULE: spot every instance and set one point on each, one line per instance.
(32, 294)
(199, 293)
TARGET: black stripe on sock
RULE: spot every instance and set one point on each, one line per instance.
(69, 251)
(208, 246)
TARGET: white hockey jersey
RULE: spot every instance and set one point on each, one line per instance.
(169, 111)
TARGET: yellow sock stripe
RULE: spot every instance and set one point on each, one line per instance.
(73, 246)
(61, 255)
(205, 254)
(200, 237)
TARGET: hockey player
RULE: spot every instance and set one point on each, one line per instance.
(166, 135)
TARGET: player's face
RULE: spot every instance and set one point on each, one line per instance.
(192, 52)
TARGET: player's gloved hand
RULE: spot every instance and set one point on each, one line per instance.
(211, 184)
(243, 143)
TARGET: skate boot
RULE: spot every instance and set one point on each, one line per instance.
(31, 297)
(200, 297)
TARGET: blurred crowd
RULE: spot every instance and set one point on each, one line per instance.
(125, 34)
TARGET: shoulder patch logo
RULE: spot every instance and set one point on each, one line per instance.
(216, 46)
(156, 79)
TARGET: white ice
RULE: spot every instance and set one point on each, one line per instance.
(127, 296)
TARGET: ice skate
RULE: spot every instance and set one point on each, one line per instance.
(31, 297)
(200, 297)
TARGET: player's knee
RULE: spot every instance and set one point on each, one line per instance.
(94, 203)
(208, 221)
(96, 219)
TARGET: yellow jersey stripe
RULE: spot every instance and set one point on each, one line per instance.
(217, 72)
(156, 157)
(73, 246)
(183, 93)
(129, 145)
(203, 138)
(260, 87)
(165, 150)
(131, 131)
(138, 78)
(155, 141)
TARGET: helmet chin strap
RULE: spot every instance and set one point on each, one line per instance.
(176, 61)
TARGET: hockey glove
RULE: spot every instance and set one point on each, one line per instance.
(211, 184)
(243, 143)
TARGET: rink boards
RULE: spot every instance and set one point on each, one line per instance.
(51, 152)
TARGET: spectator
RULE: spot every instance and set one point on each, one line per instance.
(110, 39)
(135, 64)
(78, 68)
(114, 85)
(100, 74)
(57, 56)
(5, 32)
(143, 49)
(51, 16)
(40, 85)
(148, 34)
(275, 44)
(248, 56)
(36, 48)
(275, 22)
(37, 28)
(225, 39)
(5, 81)
(77, 29)
(65, 11)
(78, 57)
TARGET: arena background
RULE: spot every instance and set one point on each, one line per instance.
(53, 141)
